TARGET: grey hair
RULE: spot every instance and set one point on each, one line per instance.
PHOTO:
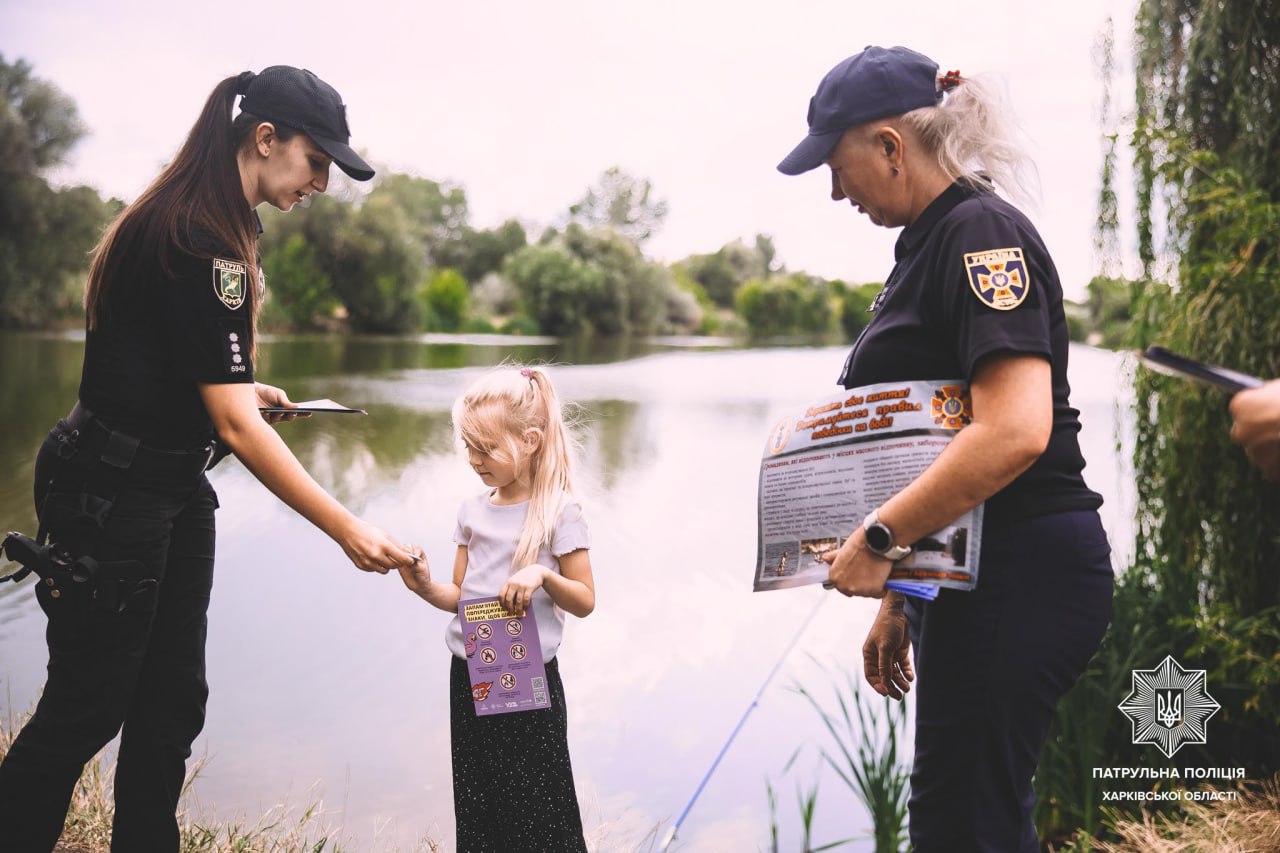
(975, 138)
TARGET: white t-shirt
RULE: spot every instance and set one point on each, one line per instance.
(491, 533)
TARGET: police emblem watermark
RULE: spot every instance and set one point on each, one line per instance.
(998, 277)
(229, 281)
(1169, 706)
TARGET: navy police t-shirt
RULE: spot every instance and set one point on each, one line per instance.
(163, 337)
(972, 279)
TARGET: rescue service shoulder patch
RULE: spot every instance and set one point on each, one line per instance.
(229, 281)
(998, 277)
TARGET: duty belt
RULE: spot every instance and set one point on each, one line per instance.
(118, 457)
(121, 450)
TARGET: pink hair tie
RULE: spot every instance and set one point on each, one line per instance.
(526, 373)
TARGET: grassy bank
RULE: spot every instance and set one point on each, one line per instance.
(1248, 824)
(282, 829)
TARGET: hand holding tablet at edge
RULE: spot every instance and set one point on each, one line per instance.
(1255, 405)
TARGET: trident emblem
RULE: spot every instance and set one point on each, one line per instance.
(1169, 707)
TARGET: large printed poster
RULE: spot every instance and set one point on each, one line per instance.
(824, 468)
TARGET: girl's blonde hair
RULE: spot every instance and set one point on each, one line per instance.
(974, 136)
(494, 416)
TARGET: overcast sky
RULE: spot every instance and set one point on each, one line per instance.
(524, 104)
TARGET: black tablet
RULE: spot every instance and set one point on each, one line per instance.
(1161, 360)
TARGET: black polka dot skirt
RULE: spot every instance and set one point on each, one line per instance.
(512, 781)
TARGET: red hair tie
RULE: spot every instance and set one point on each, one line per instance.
(949, 81)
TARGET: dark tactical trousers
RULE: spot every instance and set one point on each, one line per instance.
(141, 669)
(991, 665)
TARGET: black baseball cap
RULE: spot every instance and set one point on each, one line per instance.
(876, 83)
(298, 98)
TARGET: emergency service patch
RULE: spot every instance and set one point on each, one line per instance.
(229, 280)
(998, 277)
(951, 407)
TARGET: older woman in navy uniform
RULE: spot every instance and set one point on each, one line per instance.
(974, 294)
(125, 548)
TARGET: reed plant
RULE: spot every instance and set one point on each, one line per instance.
(807, 800)
(865, 754)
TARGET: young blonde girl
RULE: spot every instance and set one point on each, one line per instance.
(523, 539)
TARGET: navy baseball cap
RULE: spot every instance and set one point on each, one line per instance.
(876, 83)
(298, 98)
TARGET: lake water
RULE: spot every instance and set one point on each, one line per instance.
(331, 684)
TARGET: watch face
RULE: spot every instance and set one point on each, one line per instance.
(879, 539)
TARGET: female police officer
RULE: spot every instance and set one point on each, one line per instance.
(173, 294)
(975, 295)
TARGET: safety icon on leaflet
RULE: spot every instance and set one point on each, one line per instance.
(484, 632)
(488, 655)
(518, 651)
(508, 681)
(514, 627)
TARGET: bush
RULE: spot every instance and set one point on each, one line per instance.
(854, 301)
(786, 305)
(444, 301)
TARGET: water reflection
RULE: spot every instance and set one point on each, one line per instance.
(323, 676)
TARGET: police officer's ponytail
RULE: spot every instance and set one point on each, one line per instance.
(198, 192)
(973, 133)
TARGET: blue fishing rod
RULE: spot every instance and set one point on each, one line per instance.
(675, 827)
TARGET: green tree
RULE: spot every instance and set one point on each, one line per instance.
(786, 305)
(46, 234)
(708, 319)
(1203, 587)
(854, 300)
(1209, 143)
(634, 291)
(434, 213)
(607, 288)
(556, 288)
(722, 272)
(379, 264)
(376, 254)
(39, 124)
(623, 203)
(299, 294)
(476, 253)
(716, 276)
(444, 301)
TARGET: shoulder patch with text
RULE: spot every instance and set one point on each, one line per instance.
(998, 277)
(229, 280)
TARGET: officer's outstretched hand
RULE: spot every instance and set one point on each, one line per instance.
(857, 571)
(372, 550)
(1256, 426)
(269, 396)
(886, 655)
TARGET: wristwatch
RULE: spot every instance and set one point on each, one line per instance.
(880, 538)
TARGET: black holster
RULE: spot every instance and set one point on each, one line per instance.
(112, 587)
